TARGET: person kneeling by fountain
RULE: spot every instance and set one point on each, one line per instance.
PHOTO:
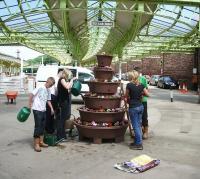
(69, 127)
(134, 93)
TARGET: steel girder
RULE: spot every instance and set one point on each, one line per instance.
(25, 25)
(173, 2)
(184, 37)
(62, 27)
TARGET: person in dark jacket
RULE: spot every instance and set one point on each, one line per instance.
(64, 101)
(50, 118)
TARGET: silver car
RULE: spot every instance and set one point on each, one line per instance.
(154, 80)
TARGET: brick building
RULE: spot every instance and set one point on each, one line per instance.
(177, 65)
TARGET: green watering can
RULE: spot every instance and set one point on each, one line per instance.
(23, 114)
(76, 88)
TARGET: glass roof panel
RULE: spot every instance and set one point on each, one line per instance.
(14, 9)
(4, 12)
(183, 26)
(164, 19)
(17, 22)
(188, 11)
(34, 3)
(181, 29)
(26, 6)
(170, 21)
(11, 2)
(161, 23)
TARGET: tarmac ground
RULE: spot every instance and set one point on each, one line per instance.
(174, 139)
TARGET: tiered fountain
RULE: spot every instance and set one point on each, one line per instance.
(102, 117)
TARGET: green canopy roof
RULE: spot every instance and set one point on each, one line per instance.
(78, 29)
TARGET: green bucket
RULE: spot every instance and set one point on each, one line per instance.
(23, 114)
(76, 88)
(50, 139)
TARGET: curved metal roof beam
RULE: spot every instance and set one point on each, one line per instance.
(172, 44)
(174, 2)
(26, 38)
(174, 23)
(3, 25)
(97, 35)
(22, 12)
(173, 41)
(131, 33)
(77, 51)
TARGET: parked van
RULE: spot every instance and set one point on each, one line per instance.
(82, 74)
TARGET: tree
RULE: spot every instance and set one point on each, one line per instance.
(46, 60)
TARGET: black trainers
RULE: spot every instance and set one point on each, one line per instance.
(61, 140)
(136, 146)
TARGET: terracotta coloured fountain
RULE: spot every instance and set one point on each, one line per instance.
(102, 117)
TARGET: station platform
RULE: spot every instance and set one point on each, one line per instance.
(173, 138)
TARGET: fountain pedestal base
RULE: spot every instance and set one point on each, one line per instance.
(99, 133)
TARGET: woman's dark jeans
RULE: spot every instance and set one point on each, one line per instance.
(40, 119)
(136, 121)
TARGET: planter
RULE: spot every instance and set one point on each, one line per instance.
(102, 117)
(106, 117)
(103, 87)
(102, 103)
(103, 74)
(114, 132)
(104, 60)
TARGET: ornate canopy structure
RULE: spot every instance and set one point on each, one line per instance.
(77, 30)
(9, 60)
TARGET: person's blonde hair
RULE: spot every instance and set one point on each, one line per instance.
(133, 76)
(66, 73)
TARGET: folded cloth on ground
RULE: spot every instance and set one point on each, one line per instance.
(137, 164)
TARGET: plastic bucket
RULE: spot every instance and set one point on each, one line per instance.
(23, 114)
(50, 139)
(76, 88)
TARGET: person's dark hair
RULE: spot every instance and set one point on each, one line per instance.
(136, 68)
(59, 70)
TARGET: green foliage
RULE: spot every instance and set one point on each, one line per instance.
(46, 60)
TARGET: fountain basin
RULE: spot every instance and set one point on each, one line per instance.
(104, 117)
(98, 133)
(103, 74)
(104, 60)
(103, 87)
(101, 103)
